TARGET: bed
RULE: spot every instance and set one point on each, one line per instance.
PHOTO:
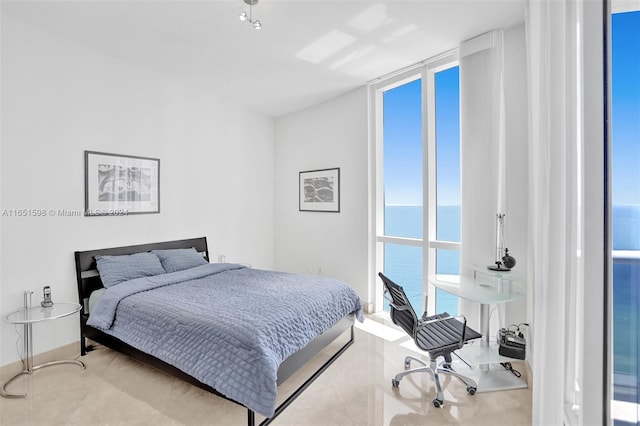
(232, 330)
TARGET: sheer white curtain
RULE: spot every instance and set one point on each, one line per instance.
(551, 194)
(566, 199)
(482, 136)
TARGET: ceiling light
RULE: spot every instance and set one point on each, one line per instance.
(249, 18)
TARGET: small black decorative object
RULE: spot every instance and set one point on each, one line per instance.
(507, 260)
(46, 297)
(504, 261)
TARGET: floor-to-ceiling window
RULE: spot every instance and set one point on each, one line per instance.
(447, 129)
(625, 176)
(403, 170)
(417, 122)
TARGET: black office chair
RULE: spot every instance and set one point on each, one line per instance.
(439, 335)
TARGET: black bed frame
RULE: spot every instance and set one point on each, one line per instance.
(89, 281)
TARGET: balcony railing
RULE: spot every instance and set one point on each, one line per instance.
(626, 343)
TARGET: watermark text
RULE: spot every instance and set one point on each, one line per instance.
(62, 212)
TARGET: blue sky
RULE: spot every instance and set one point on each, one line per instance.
(403, 145)
(403, 141)
(625, 88)
(448, 137)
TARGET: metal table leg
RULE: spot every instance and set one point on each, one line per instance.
(28, 367)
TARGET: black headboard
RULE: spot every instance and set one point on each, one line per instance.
(87, 274)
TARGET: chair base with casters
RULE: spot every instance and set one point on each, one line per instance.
(433, 371)
(438, 335)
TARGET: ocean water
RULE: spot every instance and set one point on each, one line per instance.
(403, 264)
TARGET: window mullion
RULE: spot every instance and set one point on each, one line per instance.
(429, 183)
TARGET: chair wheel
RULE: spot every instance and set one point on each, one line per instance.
(395, 383)
(437, 403)
(471, 390)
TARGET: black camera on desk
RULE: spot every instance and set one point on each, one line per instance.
(512, 344)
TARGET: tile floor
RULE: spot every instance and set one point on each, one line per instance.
(355, 390)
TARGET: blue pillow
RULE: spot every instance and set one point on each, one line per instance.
(116, 269)
(179, 259)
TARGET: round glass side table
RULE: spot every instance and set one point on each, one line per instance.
(28, 316)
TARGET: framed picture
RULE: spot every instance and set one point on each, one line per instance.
(118, 185)
(320, 190)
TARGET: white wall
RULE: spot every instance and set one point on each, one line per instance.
(331, 134)
(60, 98)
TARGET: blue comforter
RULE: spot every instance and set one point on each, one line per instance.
(228, 326)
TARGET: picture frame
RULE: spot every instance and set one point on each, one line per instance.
(319, 190)
(120, 185)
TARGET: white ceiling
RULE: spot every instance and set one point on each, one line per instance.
(308, 50)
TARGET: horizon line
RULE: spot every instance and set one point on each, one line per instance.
(458, 205)
(420, 205)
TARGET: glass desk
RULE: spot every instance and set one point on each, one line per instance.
(27, 317)
(485, 288)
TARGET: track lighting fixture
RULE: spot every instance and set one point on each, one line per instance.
(249, 18)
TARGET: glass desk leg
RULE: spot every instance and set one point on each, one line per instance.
(484, 330)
